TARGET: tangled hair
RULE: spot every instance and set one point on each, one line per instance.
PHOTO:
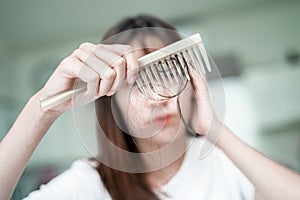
(123, 185)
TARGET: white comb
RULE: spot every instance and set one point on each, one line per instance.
(168, 66)
(164, 68)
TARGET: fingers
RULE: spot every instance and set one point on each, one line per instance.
(204, 117)
(104, 72)
(111, 59)
(199, 85)
(103, 67)
(74, 68)
(132, 66)
(118, 57)
(107, 82)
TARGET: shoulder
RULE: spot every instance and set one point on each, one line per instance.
(217, 170)
(235, 176)
(80, 181)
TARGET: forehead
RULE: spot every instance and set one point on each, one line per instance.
(144, 45)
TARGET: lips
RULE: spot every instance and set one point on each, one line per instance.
(164, 119)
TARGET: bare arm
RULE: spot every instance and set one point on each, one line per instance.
(20, 142)
(90, 63)
(270, 179)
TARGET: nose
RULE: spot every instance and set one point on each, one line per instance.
(162, 102)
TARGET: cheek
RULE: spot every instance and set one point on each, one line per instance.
(133, 106)
(139, 111)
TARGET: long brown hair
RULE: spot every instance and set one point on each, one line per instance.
(123, 185)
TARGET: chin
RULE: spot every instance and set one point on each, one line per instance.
(169, 134)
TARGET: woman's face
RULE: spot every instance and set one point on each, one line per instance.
(149, 120)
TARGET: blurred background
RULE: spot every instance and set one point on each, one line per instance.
(255, 44)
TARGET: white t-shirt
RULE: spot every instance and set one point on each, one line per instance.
(212, 178)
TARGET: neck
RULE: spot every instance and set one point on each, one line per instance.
(161, 177)
(164, 159)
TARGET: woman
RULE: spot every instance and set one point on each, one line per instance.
(214, 178)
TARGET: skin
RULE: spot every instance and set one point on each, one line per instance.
(92, 64)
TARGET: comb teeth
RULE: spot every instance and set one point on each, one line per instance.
(167, 68)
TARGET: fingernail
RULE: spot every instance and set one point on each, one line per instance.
(109, 93)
